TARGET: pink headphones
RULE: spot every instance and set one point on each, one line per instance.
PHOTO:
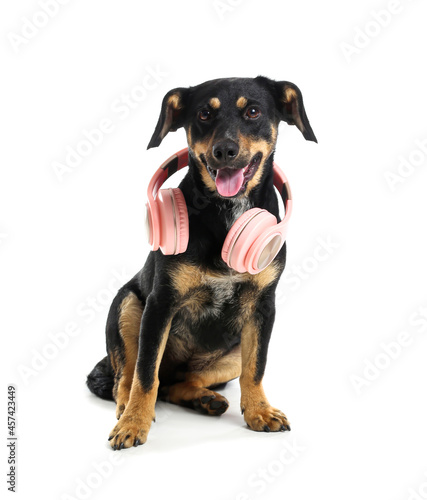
(252, 242)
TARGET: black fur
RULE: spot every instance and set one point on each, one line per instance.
(101, 380)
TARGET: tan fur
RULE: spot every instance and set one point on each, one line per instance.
(207, 179)
(257, 411)
(267, 276)
(177, 351)
(241, 102)
(198, 149)
(136, 420)
(257, 146)
(290, 94)
(187, 277)
(188, 394)
(190, 284)
(247, 144)
(139, 412)
(189, 138)
(220, 370)
(173, 103)
(291, 97)
(249, 344)
(114, 356)
(197, 382)
(129, 324)
(256, 178)
(215, 103)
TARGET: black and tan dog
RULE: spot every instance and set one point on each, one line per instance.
(188, 323)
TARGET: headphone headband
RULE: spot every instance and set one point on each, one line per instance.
(180, 160)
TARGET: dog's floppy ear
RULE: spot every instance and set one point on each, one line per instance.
(291, 108)
(171, 116)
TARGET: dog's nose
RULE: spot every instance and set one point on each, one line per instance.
(225, 151)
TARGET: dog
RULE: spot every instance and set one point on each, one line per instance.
(188, 322)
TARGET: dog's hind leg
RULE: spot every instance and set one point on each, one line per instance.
(196, 391)
(123, 355)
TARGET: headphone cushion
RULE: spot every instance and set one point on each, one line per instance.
(167, 228)
(181, 221)
(235, 231)
(250, 232)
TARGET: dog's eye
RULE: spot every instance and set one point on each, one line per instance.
(205, 115)
(253, 112)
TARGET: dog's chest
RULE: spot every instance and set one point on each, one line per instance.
(221, 293)
(209, 313)
(203, 294)
(212, 307)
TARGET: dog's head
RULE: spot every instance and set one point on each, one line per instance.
(231, 127)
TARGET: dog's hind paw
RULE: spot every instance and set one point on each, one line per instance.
(213, 404)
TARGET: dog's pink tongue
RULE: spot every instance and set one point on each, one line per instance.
(229, 181)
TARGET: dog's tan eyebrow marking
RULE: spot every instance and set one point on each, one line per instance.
(215, 103)
(241, 102)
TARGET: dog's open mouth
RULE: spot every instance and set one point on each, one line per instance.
(232, 181)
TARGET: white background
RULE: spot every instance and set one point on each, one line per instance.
(63, 240)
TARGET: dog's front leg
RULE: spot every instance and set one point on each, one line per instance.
(257, 412)
(133, 426)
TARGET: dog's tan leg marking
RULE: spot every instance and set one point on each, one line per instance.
(133, 427)
(195, 390)
(257, 411)
(129, 325)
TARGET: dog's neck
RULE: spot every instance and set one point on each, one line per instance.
(238, 207)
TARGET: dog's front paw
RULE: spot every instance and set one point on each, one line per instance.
(128, 432)
(263, 417)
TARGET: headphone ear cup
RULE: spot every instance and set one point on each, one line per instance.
(152, 224)
(234, 233)
(173, 221)
(242, 235)
(181, 225)
(264, 250)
